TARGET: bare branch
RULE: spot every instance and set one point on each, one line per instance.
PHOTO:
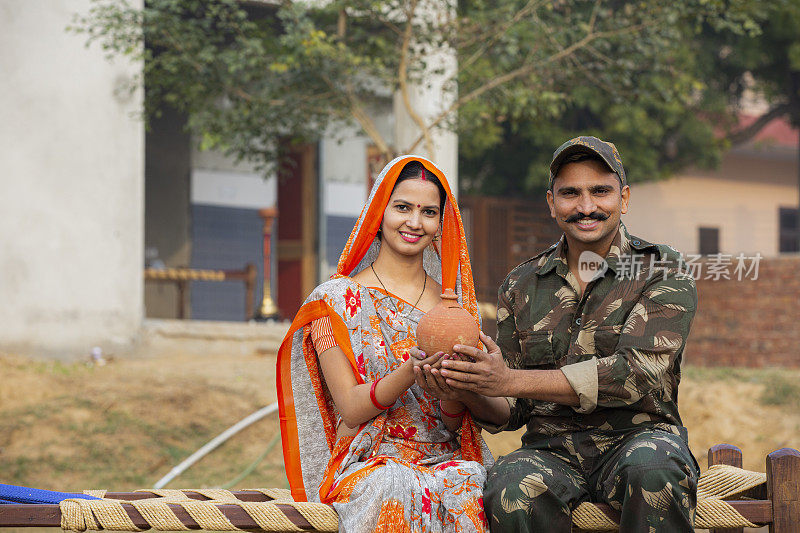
(402, 76)
(529, 68)
(341, 25)
(391, 25)
(247, 97)
(593, 18)
(591, 75)
(596, 53)
(363, 119)
(528, 8)
(745, 134)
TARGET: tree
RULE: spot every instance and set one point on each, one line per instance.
(764, 63)
(685, 111)
(248, 73)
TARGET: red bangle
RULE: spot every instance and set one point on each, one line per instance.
(372, 397)
(451, 415)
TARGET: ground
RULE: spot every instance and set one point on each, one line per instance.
(122, 426)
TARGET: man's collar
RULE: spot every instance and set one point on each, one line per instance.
(620, 246)
(554, 257)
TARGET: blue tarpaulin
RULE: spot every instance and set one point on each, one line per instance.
(16, 494)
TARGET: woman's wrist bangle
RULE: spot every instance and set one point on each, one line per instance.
(374, 400)
(452, 415)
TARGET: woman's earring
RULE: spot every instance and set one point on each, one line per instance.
(436, 238)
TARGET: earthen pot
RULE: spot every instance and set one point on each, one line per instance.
(445, 325)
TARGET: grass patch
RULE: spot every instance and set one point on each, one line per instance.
(722, 373)
(60, 368)
(781, 385)
(780, 390)
(120, 430)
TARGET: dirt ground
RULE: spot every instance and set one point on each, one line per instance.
(124, 425)
(726, 406)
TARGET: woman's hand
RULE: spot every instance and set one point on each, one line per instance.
(427, 375)
(419, 359)
(431, 381)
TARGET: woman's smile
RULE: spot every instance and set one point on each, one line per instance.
(410, 237)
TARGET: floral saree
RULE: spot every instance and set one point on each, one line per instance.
(403, 470)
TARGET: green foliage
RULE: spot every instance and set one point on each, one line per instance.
(668, 96)
(764, 62)
(246, 76)
(530, 74)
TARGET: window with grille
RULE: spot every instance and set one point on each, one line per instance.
(789, 234)
(709, 241)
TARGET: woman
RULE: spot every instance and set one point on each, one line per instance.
(357, 432)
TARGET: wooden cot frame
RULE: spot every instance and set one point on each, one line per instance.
(776, 503)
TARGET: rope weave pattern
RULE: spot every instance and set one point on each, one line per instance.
(716, 483)
(713, 513)
(724, 481)
(83, 515)
(80, 515)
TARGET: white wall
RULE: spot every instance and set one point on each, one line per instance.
(72, 174)
(741, 199)
(227, 188)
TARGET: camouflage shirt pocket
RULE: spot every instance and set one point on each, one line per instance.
(606, 339)
(537, 348)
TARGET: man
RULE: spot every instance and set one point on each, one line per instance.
(590, 333)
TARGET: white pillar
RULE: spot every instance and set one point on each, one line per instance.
(430, 96)
(72, 174)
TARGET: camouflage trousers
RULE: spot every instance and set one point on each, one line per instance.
(648, 475)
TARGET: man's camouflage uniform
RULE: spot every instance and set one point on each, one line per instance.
(620, 346)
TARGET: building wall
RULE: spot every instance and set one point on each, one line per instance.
(344, 166)
(741, 198)
(227, 232)
(167, 237)
(343, 186)
(749, 322)
(72, 179)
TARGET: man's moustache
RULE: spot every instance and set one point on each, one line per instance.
(578, 216)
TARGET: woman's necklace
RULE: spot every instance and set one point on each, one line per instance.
(424, 283)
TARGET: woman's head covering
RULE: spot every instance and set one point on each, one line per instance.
(297, 378)
(447, 264)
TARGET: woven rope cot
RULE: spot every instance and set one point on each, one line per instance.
(764, 498)
(180, 510)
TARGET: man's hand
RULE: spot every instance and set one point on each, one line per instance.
(488, 375)
(431, 381)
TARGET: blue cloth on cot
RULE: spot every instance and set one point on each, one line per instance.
(15, 494)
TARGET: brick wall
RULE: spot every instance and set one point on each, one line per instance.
(749, 322)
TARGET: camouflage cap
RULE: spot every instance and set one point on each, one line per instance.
(590, 145)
